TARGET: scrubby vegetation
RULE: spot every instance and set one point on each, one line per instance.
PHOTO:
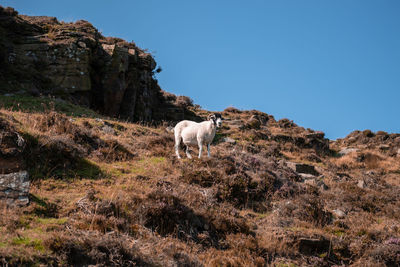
(108, 192)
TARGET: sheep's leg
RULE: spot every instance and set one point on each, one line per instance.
(208, 150)
(177, 143)
(200, 148)
(187, 152)
(177, 151)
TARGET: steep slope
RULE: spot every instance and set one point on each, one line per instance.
(113, 193)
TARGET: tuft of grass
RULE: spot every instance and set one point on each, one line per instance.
(156, 160)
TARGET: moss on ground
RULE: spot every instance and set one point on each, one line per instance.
(44, 104)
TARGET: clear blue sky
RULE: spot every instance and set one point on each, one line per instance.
(328, 65)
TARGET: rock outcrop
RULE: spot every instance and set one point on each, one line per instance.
(73, 61)
(14, 180)
(14, 188)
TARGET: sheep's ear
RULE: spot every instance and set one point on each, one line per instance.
(211, 117)
(218, 115)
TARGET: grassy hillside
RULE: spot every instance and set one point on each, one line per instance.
(108, 192)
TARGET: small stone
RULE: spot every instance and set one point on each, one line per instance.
(339, 213)
(310, 182)
(81, 44)
(361, 184)
(384, 147)
(108, 130)
(229, 140)
(306, 176)
(347, 150)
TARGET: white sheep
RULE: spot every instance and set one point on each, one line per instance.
(200, 133)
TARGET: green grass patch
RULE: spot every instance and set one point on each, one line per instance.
(262, 215)
(58, 221)
(323, 255)
(151, 161)
(157, 160)
(24, 221)
(44, 104)
(26, 241)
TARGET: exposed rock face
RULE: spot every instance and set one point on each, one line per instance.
(40, 55)
(14, 188)
(14, 180)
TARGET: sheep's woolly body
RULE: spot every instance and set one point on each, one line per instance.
(192, 133)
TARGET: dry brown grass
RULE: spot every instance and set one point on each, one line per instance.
(367, 159)
(242, 207)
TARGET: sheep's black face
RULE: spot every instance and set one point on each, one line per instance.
(218, 120)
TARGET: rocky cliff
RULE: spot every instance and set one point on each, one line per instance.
(73, 61)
